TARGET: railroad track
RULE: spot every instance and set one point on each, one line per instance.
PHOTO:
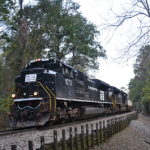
(12, 131)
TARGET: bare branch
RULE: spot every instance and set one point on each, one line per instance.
(137, 14)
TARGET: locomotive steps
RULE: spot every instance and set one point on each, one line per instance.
(96, 131)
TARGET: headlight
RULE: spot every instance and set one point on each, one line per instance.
(13, 95)
(35, 93)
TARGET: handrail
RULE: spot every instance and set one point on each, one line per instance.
(47, 93)
(113, 101)
(53, 96)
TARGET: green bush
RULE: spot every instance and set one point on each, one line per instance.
(4, 110)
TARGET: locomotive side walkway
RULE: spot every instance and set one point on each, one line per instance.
(134, 137)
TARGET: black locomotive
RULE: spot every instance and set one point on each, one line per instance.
(48, 90)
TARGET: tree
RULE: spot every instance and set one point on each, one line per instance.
(139, 86)
(146, 95)
(64, 32)
(6, 14)
(6, 7)
(49, 28)
(137, 14)
(68, 34)
(135, 92)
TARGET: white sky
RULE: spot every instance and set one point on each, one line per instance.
(111, 70)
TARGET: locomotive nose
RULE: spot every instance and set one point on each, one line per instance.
(31, 103)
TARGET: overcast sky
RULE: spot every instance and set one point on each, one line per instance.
(113, 71)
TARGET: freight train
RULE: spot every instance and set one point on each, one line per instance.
(48, 90)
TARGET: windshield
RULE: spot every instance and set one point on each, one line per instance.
(46, 64)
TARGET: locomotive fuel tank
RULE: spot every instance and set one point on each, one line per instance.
(92, 111)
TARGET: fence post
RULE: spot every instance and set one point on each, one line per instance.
(116, 125)
(42, 143)
(112, 127)
(13, 147)
(30, 145)
(55, 140)
(71, 138)
(82, 138)
(127, 121)
(110, 124)
(124, 122)
(92, 135)
(64, 147)
(100, 131)
(76, 139)
(136, 115)
(87, 136)
(97, 135)
(104, 133)
(108, 129)
(120, 124)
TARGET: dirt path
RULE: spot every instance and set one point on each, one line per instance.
(135, 137)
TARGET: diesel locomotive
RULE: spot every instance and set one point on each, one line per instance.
(48, 90)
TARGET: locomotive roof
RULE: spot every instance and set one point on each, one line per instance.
(49, 60)
(53, 61)
(117, 90)
(101, 84)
